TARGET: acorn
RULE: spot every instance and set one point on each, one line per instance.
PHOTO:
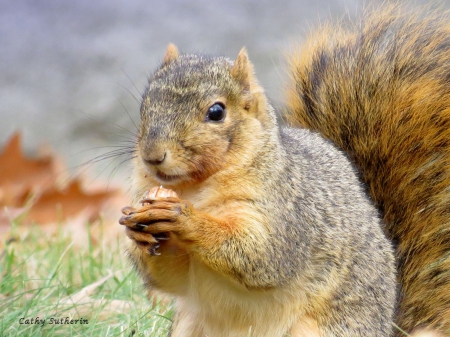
(157, 192)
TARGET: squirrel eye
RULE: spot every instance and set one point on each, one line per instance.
(216, 113)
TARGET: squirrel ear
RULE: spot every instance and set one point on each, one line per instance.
(171, 54)
(242, 69)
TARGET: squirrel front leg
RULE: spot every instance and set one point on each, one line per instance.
(222, 243)
(168, 272)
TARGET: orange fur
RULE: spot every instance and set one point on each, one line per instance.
(261, 240)
(382, 94)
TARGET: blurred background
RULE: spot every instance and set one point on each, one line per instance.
(72, 72)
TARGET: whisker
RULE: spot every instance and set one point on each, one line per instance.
(137, 100)
(132, 121)
(114, 170)
(120, 164)
(103, 147)
(134, 85)
(108, 155)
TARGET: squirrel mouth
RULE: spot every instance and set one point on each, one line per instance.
(166, 177)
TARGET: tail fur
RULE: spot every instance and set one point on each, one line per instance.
(381, 92)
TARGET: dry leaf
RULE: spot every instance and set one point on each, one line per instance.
(19, 173)
(54, 205)
(33, 185)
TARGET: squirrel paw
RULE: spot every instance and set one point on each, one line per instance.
(152, 223)
(145, 241)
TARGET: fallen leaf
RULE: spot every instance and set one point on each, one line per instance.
(55, 205)
(33, 186)
(19, 173)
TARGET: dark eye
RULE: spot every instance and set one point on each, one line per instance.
(216, 113)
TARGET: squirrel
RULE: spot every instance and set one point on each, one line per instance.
(335, 225)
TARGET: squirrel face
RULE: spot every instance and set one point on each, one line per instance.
(194, 114)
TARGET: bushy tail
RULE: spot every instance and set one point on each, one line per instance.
(381, 92)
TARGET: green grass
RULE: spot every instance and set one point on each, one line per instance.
(50, 277)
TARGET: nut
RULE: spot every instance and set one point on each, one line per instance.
(158, 192)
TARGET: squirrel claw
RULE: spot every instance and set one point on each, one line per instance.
(161, 237)
(147, 201)
(125, 221)
(153, 250)
(140, 226)
(128, 210)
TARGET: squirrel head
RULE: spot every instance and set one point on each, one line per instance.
(199, 115)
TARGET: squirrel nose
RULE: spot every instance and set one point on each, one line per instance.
(154, 155)
(155, 158)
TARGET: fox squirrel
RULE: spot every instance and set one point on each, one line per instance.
(265, 230)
